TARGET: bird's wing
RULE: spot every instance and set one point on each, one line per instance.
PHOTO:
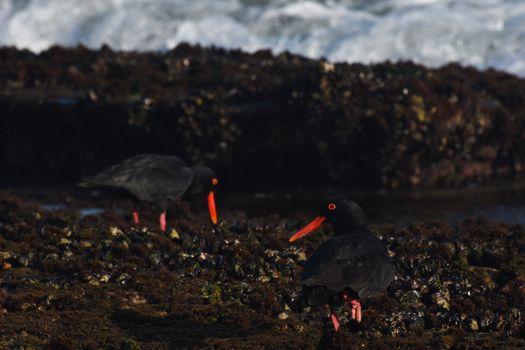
(146, 176)
(157, 183)
(325, 268)
(369, 274)
(123, 171)
(144, 162)
(346, 262)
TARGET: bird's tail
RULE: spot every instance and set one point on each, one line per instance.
(311, 296)
(298, 303)
(87, 182)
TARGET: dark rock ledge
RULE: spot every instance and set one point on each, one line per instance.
(259, 119)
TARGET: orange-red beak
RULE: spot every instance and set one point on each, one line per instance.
(308, 228)
(211, 207)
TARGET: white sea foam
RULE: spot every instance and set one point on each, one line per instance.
(484, 33)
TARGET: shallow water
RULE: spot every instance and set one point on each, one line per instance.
(433, 32)
(91, 211)
(53, 206)
(503, 203)
(398, 207)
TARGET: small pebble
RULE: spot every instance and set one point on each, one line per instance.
(115, 231)
(283, 316)
(174, 234)
(473, 325)
(86, 244)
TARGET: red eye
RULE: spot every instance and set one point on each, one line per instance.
(215, 181)
(332, 206)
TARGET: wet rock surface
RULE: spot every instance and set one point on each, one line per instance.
(72, 281)
(259, 119)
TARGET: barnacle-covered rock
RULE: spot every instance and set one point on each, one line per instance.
(221, 287)
(442, 298)
(25, 260)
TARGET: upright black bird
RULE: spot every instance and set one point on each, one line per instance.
(352, 265)
(159, 179)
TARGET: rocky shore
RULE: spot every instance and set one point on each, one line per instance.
(73, 279)
(260, 120)
(70, 281)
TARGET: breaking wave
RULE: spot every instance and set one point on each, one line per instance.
(486, 33)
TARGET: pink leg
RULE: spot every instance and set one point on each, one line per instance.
(162, 221)
(136, 217)
(356, 307)
(335, 321)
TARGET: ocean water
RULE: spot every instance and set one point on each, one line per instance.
(483, 33)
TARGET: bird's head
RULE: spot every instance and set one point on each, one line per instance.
(341, 212)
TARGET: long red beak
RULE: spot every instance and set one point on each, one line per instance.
(308, 228)
(211, 207)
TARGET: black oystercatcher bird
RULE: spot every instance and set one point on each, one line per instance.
(352, 265)
(159, 179)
